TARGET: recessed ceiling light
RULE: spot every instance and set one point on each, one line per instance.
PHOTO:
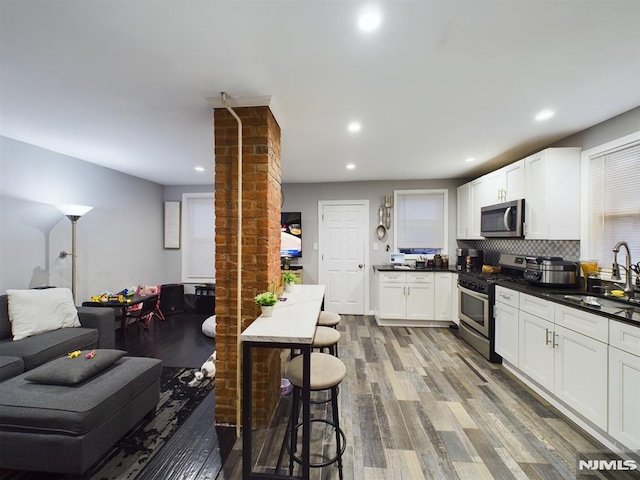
(199, 169)
(470, 159)
(354, 127)
(544, 115)
(369, 20)
(350, 166)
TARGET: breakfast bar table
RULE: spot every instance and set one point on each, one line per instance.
(293, 326)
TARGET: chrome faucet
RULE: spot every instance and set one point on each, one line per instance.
(628, 288)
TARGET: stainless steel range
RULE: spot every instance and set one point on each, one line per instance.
(476, 296)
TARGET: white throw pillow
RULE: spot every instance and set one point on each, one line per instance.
(37, 311)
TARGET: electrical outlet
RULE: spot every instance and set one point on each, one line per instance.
(315, 246)
(375, 246)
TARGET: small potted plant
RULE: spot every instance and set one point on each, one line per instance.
(289, 279)
(266, 301)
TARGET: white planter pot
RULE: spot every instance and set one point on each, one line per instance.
(267, 311)
(288, 287)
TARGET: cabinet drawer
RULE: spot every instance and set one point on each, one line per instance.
(420, 277)
(536, 306)
(588, 324)
(509, 297)
(388, 277)
(625, 337)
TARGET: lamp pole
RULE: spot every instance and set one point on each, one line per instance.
(74, 253)
(73, 213)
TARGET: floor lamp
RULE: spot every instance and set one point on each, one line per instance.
(73, 213)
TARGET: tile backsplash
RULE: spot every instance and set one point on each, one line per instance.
(493, 247)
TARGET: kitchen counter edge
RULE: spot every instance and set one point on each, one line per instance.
(551, 295)
(389, 268)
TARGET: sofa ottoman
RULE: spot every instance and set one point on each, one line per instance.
(67, 428)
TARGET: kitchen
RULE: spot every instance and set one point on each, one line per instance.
(567, 329)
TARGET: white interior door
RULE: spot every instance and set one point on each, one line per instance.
(343, 255)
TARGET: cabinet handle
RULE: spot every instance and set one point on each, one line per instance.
(555, 337)
(506, 297)
(404, 291)
(546, 336)
(408, 290)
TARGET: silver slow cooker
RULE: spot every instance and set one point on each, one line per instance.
(551, 271)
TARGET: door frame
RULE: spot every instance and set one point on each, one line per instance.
(365, 243)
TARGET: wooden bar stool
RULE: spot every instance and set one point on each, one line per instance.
(329, 319)
(326, 337)
(327, 372)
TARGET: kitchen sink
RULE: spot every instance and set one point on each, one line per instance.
(612, 305)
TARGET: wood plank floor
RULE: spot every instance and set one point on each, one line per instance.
(419, 403)
(416, 404)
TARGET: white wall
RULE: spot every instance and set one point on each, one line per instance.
(304, 197)
(173, 258)
(119, 241)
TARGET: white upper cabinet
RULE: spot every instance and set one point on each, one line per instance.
(500, 186)
(513, 186)
(552, 194)
(478, 195)
(505, 184)
(463, 224)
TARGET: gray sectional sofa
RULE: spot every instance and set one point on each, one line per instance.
(49, 426)
(97, 331)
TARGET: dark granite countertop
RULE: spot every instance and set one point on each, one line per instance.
(617, 309)
(390, 268)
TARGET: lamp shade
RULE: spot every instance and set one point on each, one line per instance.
(73, 210)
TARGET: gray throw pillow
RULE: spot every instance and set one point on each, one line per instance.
(71, 371)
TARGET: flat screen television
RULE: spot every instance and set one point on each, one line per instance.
(290, 234)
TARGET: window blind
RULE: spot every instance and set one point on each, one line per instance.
(198, 254)
(420, 219)
(614, 196)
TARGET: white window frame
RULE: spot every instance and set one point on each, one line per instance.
(445, 226)
(585, 239)
(190, 277)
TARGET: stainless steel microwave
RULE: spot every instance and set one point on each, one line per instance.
(504, 220)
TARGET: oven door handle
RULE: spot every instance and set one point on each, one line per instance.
(471, 293)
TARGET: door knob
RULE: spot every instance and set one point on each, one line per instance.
(360, 265)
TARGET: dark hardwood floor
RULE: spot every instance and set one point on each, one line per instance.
(197, 450)
(177, 341)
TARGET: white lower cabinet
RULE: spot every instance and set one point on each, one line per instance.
(406, 296)
(414, 297)
(581, 374)
(569, 364)
(536, 349)
(442, 301)
(505, 313)
(624, 384)
(420, 300)
(454, 299)
(585, 363)
(392, 300)
(506, 331)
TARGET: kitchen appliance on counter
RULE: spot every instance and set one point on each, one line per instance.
(469, 259)
(544, 271)
(503, 220)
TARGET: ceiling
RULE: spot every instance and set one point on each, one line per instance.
(125, 84)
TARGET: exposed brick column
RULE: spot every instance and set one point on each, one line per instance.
(261, 199)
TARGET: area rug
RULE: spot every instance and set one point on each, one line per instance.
(132, 453)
